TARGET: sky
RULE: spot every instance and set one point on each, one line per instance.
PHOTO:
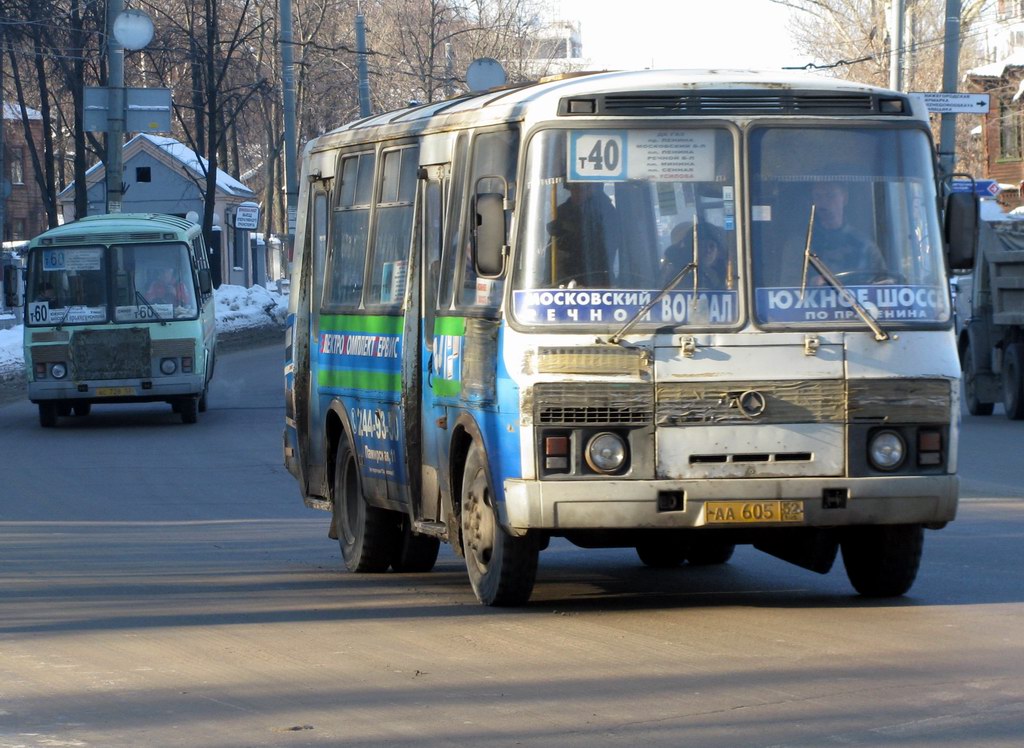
(237, 308)
(739, 34)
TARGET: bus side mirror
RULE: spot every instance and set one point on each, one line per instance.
(205, 284)
(961, 229)
(489, 232)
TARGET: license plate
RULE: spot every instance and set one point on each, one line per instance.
(115, 391)
(744, 512)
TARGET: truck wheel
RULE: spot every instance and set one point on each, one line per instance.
(189, 409)
(1013, 368)
(368, 535)
(661, 553)
(882, 561)
(502, 568)
(974, 406)
(414, 553)
(48, 414)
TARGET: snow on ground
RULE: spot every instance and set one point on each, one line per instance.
(237, 309)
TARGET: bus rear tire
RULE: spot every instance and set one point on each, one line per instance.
(502, 568)
(367, 535)
(882, 561)
(709, 552)
(48, 414)
(81, 410)
(414, 553)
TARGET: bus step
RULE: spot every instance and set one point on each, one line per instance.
(434, 529)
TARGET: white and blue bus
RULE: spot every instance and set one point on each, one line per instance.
(662, 310)
(119, 308)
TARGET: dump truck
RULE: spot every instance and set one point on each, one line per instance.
(989, 310)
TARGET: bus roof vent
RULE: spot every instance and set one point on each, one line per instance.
(740, 103)
(111, 238)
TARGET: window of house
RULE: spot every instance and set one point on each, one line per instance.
(17, 166)
(1009, 131)
(142, 174)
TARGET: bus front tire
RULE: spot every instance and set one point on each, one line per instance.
(368, 535)
(502, 568)
(882, 560)
(48, 414)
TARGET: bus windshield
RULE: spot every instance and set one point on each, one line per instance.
(860, 200)
(123, 283)
(612, 215)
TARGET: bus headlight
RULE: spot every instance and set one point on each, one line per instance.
(58, 371)
(168, 366)
(606, 452)
(887, 450)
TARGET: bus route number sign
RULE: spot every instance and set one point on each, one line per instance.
(598, 156)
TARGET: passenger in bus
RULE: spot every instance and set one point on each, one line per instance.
(844, 249)
(714, 269)
(47, 293)
(586, 237)
(167, 289)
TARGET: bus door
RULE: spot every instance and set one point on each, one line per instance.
(309, 404)
(424, 417)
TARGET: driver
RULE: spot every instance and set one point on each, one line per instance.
(842, 248)
(585, 236)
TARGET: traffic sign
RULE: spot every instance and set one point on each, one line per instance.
(982, 187)
(947, 103)
(247, 216)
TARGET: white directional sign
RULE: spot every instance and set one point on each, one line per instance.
(960, 103)
(247, 216)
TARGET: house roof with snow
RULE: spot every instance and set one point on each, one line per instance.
(175, 155)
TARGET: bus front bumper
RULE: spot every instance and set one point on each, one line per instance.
(117, 390)
(806, 502)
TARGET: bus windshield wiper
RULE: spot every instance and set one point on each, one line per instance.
(67, 311)
(144, 300)
(812, 259)
(616, 339)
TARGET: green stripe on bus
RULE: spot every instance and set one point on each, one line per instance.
(450, 326)
(359, 379)
(447, 388)
(362, 323)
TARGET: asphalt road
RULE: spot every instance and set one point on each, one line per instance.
(162, 585)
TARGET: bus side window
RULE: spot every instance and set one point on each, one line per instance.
(351, 226)
(493, 168)
(456, 201)
(393, 232)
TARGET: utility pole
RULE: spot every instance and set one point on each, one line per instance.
(291, 165)
(364, 76)
(896, 44)
(951, 56)
(115, 110)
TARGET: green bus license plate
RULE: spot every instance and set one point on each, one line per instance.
(733, 512)
(115, 391)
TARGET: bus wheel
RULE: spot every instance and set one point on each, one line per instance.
(81, 409)
(367, 535)
(63, 408)
(202, 399)
(414, 553)
(974, 406)
(708, 552)
(502, 568)
(48, 414)
(663, 553)
(882, 561)
(1013, 381)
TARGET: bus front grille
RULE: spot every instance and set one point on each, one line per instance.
(592, 404)
(110, 354)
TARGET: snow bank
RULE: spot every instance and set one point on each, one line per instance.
(237, 309)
